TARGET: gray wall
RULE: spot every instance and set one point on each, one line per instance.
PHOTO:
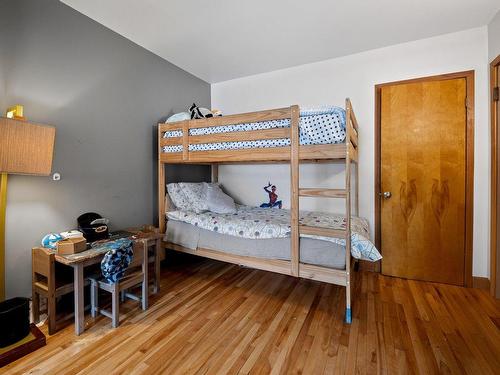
(104, 94)
(2, 64)
(494, 37)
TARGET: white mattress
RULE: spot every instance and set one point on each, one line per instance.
(312, 251)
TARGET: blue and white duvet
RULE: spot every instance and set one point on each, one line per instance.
(317, 126)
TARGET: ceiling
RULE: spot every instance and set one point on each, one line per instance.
(225, 39)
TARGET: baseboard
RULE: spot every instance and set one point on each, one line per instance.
(480, 282)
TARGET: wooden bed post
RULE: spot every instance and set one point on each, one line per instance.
(214, 171)
(294, 189)
(348, 316)
(161, 185)
(185, 139)
(356, 187)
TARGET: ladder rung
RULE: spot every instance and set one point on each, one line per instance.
(330, 193)
(320, 231)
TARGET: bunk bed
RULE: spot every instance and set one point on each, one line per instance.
(177, 144)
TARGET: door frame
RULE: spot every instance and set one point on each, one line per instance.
(494, 177)
(469, 162)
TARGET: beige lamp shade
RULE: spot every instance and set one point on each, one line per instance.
(25, 147)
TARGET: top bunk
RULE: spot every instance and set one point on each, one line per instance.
(270, 136)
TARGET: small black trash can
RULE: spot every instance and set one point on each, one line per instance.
(14, 320)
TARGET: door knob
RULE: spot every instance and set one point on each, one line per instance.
(387, 194)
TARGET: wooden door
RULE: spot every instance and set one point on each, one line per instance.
(495, 179)
(423, 133)
(496, 113)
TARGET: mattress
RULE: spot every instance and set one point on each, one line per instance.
(258, 223)
(312, 251)
(317, 126)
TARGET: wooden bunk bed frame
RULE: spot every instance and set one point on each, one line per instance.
(294, 154)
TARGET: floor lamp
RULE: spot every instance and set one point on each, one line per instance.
(25, 148)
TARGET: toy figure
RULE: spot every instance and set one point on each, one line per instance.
(273, 197)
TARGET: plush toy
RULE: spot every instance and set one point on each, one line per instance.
(199, 112)
(194, 112)
(273, 197)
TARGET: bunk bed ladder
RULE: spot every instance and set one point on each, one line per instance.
(297, 192)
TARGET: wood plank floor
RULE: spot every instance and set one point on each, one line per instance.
(216, 318)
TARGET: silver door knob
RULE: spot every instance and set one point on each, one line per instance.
(387, 194)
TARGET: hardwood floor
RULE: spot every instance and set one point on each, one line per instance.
(216, 318)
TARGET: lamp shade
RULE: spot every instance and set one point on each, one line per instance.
(25, 147)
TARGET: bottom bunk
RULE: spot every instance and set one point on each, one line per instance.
(259, 238)
(306, 271)
(312, 251)
(265, 233)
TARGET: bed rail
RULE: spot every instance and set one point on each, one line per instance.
(272, 154)
(242, 118)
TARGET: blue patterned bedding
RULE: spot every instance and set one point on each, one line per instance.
(264, 223)
(317, 126)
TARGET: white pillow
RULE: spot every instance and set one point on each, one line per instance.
(178, 197)
(218, 201)
(195, 193)
(189, 196)
(169, 204)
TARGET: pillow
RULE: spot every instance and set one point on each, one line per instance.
(169, 204)
(196, 195)
(178, 197)
(189, 196)
(181, 116)
(217, 201)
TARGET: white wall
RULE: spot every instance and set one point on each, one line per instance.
(329, 82)
(494, 37)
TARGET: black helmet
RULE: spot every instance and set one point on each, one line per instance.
(93, 226)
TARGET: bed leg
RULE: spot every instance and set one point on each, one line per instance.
(348, 317)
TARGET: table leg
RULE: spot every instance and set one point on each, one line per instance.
(79, 291)
(157, 266)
